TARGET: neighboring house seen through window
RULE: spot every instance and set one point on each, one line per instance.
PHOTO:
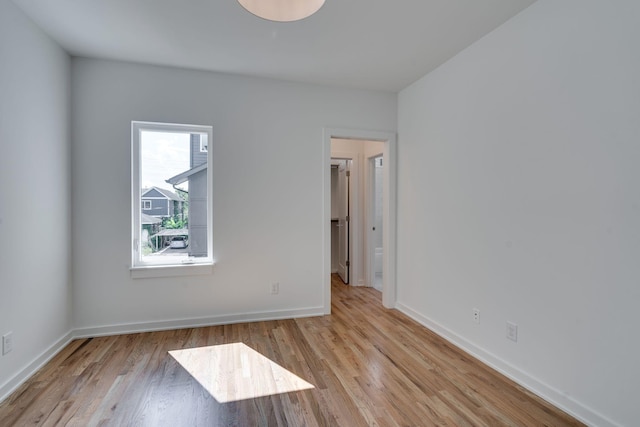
(171, 181)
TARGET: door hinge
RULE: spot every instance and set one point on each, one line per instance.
(348, 218)
(348, 173)
(348, 263)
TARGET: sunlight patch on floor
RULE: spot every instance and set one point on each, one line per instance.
(232, 372)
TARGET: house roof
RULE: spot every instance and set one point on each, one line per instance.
(148, 219)
(173, 232)
(166, 193)
(180, 178)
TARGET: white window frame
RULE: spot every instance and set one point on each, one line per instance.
(146, 203)
(166, 266)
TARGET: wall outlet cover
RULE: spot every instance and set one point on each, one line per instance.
(512, 331)
(7, 343)
(275, 288)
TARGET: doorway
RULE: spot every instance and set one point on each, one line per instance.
(350, 202)
(360, 265)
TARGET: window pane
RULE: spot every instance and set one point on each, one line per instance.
(173, 193)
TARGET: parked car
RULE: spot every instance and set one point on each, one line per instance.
(179, 242)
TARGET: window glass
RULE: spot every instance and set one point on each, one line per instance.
(171, 180)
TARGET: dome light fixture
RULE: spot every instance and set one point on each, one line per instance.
(282, 10)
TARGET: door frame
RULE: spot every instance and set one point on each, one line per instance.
(348, 163)
(370, 247)
(389, 210)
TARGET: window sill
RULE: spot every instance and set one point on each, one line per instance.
(152, 271)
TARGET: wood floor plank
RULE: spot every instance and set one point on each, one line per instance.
(369, 367)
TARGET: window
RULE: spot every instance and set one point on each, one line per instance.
(172, 182)
(204, 144)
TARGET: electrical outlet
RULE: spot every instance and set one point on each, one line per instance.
(476, 315)
(275, 288)
(512, 331)
(7, 343)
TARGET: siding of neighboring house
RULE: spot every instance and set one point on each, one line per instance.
(162, 205)
(197, 157)
(159, 207)
(198, 198)
(198, 213)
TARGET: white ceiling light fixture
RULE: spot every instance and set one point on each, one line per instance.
(282, 10)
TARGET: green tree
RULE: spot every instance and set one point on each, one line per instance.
(174, 222)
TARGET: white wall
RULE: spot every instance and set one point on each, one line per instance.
(268, 191)
(35, 293)
(519, 195)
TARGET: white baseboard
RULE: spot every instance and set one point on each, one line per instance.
(25, 373)
(17, 380)
(550, 394)
(545, 391)
(164, 325)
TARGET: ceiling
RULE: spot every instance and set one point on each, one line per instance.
(370, 44)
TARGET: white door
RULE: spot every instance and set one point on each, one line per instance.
(343, 221)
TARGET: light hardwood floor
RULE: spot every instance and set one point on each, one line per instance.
(369, 367)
